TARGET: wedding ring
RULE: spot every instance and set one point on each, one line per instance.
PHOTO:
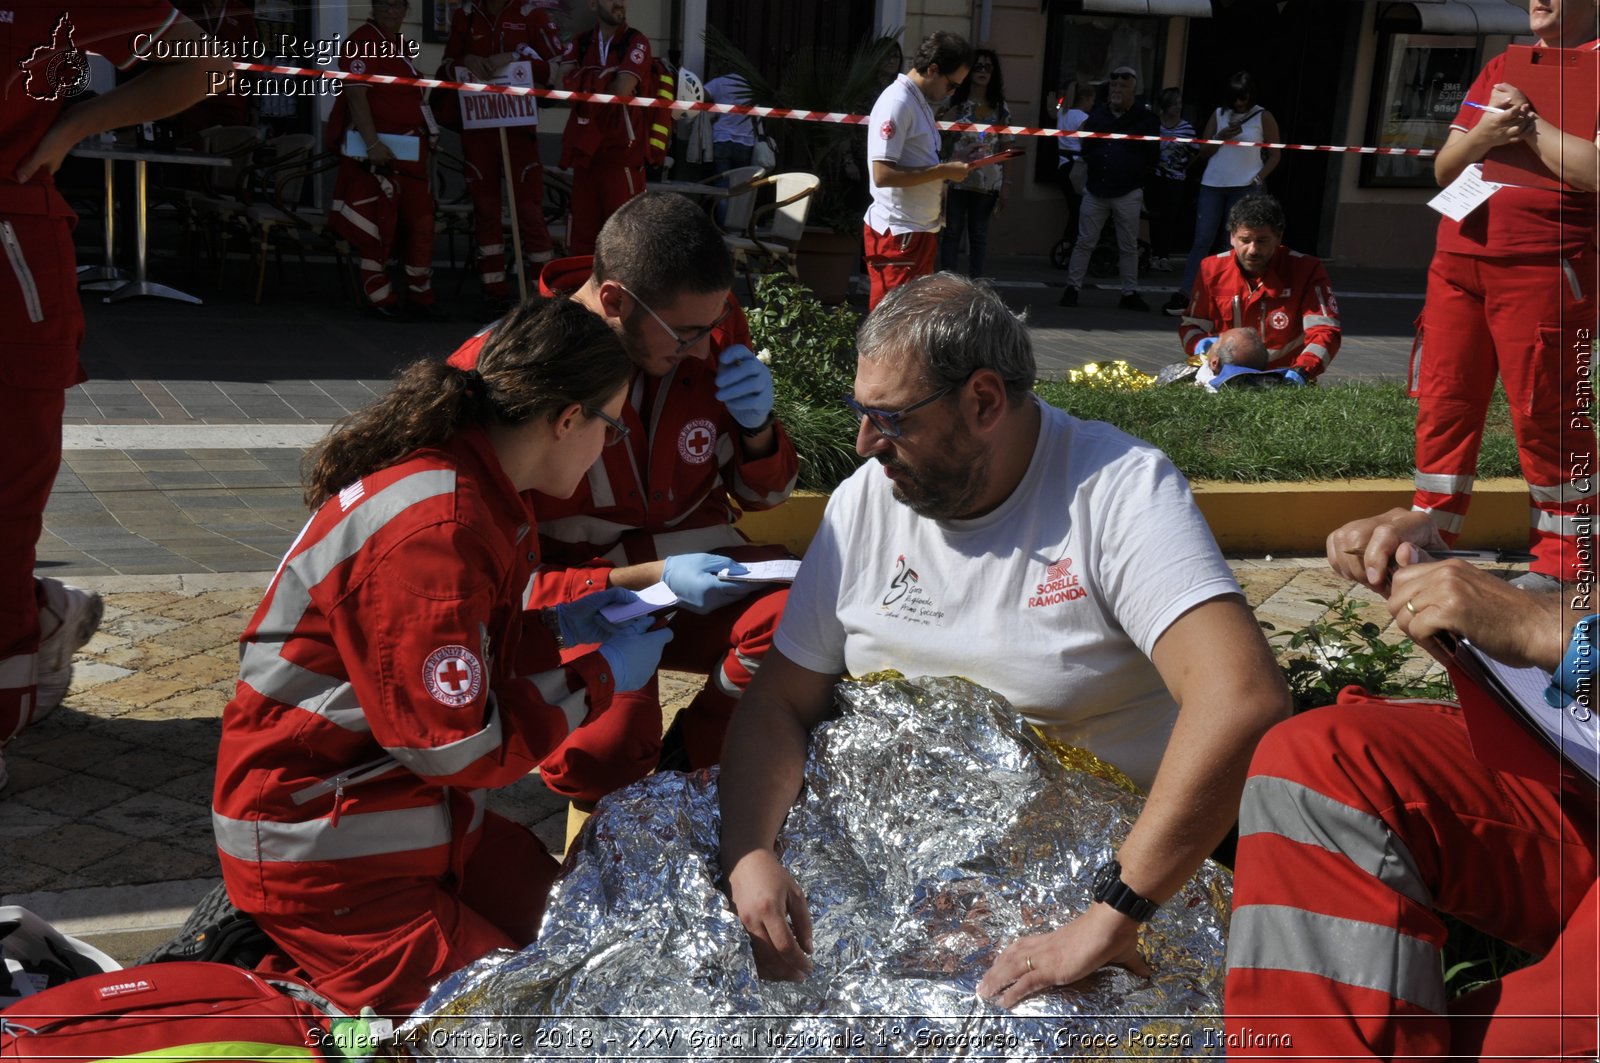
(1029, 961)
(1410, 608)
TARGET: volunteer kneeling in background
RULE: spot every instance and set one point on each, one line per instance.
(390, 675)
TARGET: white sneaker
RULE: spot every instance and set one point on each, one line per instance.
(68, 618)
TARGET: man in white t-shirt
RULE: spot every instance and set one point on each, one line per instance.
(901, 227)
(1059, 562)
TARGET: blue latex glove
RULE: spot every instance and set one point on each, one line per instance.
(693, 578)
(1294, 377)
(744, 386)
(634, 657)
(581, 623)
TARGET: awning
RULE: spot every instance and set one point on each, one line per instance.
(1185, 8)
(1474, 17)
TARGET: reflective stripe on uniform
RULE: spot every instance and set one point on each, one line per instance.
(401, 830)
(348, 213)
(1318, 351)
(1443, 483)
(1571, 491)
(18, 671)
(1294, 811)
(260, 664)
(1316, 320)
(1446, 522)
(553, 687)
(1280, 938)
(445, 760)
(1564, 525)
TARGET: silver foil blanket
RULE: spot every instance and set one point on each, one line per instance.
(933, 828)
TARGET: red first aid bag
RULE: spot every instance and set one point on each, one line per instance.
(194, 1012)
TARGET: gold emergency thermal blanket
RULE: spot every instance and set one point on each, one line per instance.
(933, 828)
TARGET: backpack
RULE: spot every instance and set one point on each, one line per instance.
(661, 81)
(188, 1011)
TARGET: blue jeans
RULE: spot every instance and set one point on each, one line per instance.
(1210, 215)
(966, 213)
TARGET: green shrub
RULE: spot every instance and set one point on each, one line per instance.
(811, 349)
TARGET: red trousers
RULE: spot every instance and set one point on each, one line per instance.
(1531, 323)
(1360, 822)
(38, 362)
(30, 428)
(623, 744)
(607, 182)
(369, 210)
(893, 260)
(484, 170)
(389, 953)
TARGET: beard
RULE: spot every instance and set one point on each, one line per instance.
(946, 487)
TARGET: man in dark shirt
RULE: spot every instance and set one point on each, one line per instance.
(1118, 170)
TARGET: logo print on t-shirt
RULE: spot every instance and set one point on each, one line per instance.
(1279, 319)
(886, 130)
(697, 442)
(904, 577)
(452, 676)
(1060, 585)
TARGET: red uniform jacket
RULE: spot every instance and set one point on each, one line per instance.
(666, 488)
(387, 679)
(1293, 308)
(605, 129)
(524, 27)
(395, 108)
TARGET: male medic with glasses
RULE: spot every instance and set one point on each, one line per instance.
(1058, 562)
(659, 505)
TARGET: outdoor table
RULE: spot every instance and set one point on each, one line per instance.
(109, 276)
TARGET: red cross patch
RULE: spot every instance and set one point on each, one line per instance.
(358, 66)
(636, 57)
(886, 130)
(697, 442)
(1279, 319)
(453, 676)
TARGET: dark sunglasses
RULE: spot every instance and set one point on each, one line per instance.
(976, 67)
(887, 422)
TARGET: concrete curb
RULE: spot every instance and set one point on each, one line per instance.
(1272, 518)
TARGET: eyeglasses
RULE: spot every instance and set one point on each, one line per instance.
(1124, 77)
(887, 422)
(982, 68)
(684, 342)
(616, 431)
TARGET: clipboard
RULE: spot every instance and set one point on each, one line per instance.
(1563, 85)
(999, 156)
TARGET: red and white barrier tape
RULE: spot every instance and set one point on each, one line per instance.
(834, 117)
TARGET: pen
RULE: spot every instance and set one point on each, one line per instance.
(1503, 557)
(1482, 107)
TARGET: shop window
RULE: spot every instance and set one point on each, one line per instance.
(1419, 83)
(1084, 48)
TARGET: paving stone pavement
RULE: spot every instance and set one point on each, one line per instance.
(106, 821)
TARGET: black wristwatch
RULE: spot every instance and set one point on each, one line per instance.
(1109, 889)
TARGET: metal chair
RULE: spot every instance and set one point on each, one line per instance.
(774, 230)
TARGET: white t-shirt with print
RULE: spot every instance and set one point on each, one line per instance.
(1055, 599)
(902, 130)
